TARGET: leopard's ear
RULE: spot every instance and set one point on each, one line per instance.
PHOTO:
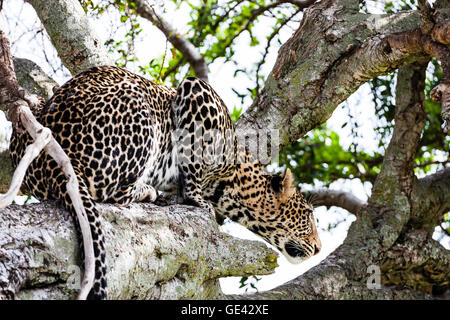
(288, 185)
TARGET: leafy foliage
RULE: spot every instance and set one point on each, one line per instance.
(249, 283)
(235, 114)
(319, 157)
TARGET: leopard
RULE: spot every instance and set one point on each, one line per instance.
(130, 139)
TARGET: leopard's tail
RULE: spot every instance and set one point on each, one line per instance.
(98, 290)
(55, 186)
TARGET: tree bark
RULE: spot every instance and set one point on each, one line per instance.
(19, 104)
(72, 34)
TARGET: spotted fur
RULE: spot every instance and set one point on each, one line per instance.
(128, 138)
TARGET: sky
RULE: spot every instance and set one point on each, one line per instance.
(23, 30)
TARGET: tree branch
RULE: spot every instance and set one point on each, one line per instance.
(72, 34)
(259, 11)
(31, 152)
(174, 252)
(304, 87)
(428, 210)
(418, 262)
(338, 198)
(189, 51)
(410, 117)
(33, 78)
(330, 281)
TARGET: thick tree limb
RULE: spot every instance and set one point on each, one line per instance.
(392, 189)
(333, 52)
(174, 252)
(343, 273)
(419, 262)
(72, 34)
(255, 13)
(410, 117)
(31, 152)
(190, 53)
(430, 200)
(338, 198)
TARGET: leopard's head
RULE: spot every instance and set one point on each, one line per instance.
(288, 219)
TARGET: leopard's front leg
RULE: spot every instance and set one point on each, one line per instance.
(191, 192)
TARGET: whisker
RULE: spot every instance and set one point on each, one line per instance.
(311, 199)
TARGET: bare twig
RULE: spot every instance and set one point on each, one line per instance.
(269, 40)
(189, 51)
